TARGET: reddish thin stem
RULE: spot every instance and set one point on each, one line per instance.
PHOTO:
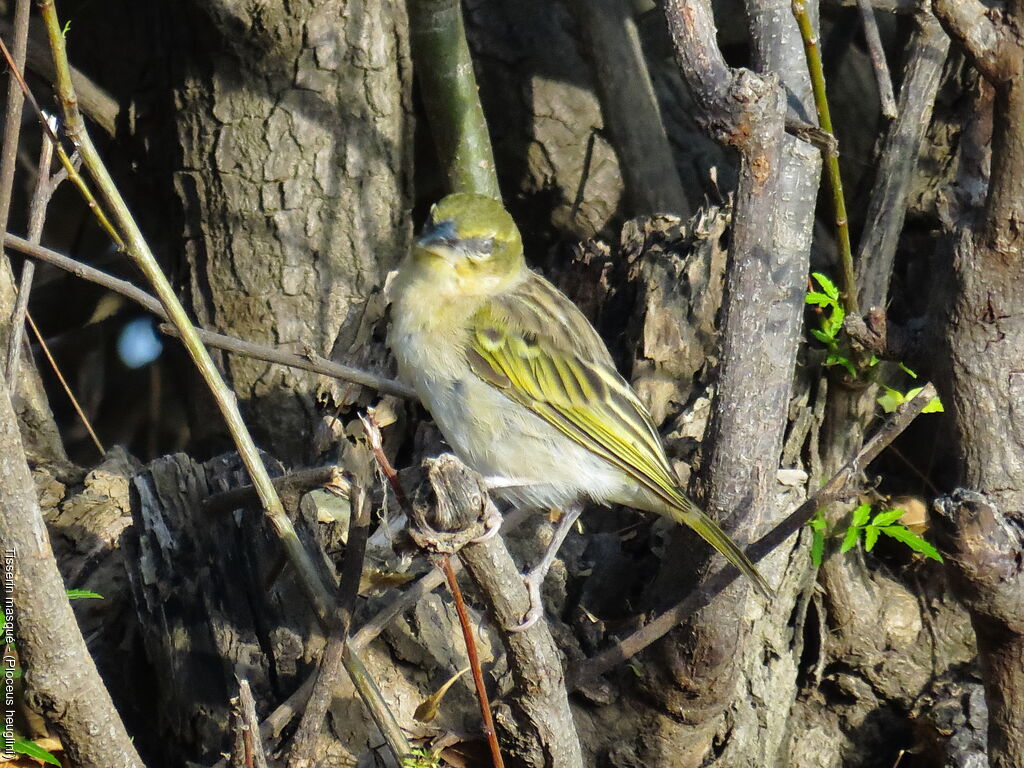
(474, 662)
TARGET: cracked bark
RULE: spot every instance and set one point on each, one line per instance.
(294, 126)
(985, 384)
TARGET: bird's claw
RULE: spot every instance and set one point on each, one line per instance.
(492, 524)
(533, 580)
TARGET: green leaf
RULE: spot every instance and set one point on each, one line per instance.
(823, 337)
(888, 517)
(826, 285)
(850, 539)
(907, 371)
(82, 594)
(912, 540)
(870, 537)
(33, 750)
(837, 359)
(910, 394)
(817, 548)
(861, 515)
(891, 400)
(821, 299)
(934, 406)
(834, 323)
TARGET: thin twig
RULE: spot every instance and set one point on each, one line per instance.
(474, 661)
(97, 104)
(877, 55)
(817, 73)
(278, 719)
(331, 664)
(318, 593)
(41, 195)
(255, 755)
(836, 488)
(373, 437)
(64, 384)
(69, 166)
(307, 361)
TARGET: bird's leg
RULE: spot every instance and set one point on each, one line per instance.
(535, 578)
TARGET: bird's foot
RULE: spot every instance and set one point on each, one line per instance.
(535, 578)
(492, 524)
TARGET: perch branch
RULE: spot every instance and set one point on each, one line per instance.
(373, 437)
(835, 489)
(539, 696)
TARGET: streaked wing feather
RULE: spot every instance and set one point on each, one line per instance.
(542, 352)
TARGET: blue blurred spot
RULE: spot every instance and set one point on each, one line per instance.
(138, 344)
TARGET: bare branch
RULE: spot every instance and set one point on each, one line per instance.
(887, 209)
(255, 754)
(332, 662)
(309, 361)
(968, 22)
(878, 62)
(629, 107)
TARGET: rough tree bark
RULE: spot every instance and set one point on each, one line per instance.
(704, 673)
(61, 680)
(294, 126)
(985, 384)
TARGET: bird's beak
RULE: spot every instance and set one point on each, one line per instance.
(436, 240)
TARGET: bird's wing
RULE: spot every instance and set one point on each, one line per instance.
(534, 345)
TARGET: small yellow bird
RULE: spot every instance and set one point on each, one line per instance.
(520, 384)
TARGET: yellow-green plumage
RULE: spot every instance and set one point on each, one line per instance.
(520, 383)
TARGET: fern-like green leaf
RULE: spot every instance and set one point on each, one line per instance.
(912, 540)
(861, 515)
(826, 285)
(888, 517)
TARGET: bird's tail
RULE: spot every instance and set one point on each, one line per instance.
(710, 531)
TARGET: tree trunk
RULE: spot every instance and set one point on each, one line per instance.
(294, 124)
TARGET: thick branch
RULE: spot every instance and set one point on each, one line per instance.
(539, 699)
(968, 22)
(61, 678)
(886, 211)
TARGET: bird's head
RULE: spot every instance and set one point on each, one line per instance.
(473, 241)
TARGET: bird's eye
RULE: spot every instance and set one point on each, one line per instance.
(479, 248)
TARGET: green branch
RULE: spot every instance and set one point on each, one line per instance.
(444, 69)
(814, 66)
